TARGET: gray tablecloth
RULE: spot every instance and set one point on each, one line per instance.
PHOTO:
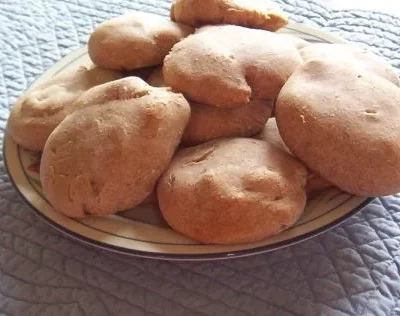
(351, 270)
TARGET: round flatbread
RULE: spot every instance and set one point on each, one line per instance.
(343, 121)
(260, 14)
(41, 109)
(359, 56)
(134, 40)
(209, 122)
(108, 156)
(227, 66)
(232, 191)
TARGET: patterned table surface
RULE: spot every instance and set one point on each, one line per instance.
(384, 6)
(351, 270)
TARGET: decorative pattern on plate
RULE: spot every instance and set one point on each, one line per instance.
(142, 230)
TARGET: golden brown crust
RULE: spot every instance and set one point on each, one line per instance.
(134, 40)
(345, 52)
(229, 65)
(343, 122)
(232, 191)
(108, 156)
(40, 110)
(208, 122)
(251, 13)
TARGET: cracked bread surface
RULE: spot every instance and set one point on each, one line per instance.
(107, 156)
(227, 66)
(231, 191)
(41, 109)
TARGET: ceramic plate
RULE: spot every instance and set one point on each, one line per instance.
(142, 230)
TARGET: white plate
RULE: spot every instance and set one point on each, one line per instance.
(142, 231)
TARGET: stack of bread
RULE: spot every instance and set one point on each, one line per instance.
(183, 107)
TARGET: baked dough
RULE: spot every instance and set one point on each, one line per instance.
(232, 191)
(345, 52)
(261, 14)
(134, 40)
(343, 122)
(270, 134)
(208, 122)
(227, 66)
(108, 156)
(41, 109)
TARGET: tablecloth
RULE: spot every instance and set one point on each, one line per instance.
(350, 270)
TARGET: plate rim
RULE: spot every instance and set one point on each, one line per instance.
(180, 256)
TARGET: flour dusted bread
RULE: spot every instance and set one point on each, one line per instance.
(41, 109)
(232, 191)
(227, 66)
(262, 14)
(270, 133)
(209, 122)
(134, 40)
(108, 156)
(346, 53)
(343, 121)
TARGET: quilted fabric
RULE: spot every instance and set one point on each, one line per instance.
(351, 270)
